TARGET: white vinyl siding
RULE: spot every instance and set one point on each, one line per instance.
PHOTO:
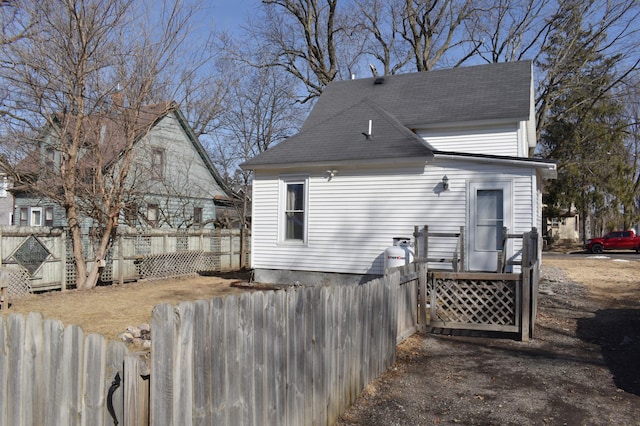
(354, 216)
(494, 141)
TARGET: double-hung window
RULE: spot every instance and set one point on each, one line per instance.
(157, 164)
(197, 217)
(36, 216)
(24, 216)
(48, 216)
(153, 214)
(294, 209)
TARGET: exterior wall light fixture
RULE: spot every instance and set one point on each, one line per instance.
(445, 183)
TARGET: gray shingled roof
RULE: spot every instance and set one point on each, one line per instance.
(333, 130)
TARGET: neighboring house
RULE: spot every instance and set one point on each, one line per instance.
(563, 228)
(378, 156)
(6, 199)
(172, 182)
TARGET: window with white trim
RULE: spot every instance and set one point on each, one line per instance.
(294, 209)
(4, 186)
(24, 216)
(36, 216)
(197, 216)
(157, 164)
(48, 216)
(153, 214)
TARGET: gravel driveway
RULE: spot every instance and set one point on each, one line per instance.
(582, 368)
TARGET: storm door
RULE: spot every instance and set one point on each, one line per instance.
(490, 212)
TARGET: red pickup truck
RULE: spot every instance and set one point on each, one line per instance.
(616, 240)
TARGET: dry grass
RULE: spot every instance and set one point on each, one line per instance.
(109, 310)
(609, 280)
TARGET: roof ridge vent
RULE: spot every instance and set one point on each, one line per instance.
(379, 80)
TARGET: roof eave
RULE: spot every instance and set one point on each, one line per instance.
(547, 170)
(336, 163)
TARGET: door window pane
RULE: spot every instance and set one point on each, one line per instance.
(489, 220)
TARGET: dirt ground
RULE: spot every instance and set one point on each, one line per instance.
(582, 368)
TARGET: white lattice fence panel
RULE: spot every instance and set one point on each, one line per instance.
(490, 304)
(167, 265)
(17, 280)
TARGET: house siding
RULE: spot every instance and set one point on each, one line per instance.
(355, 215)
(186, 181)
(185, 172)
(502, 140)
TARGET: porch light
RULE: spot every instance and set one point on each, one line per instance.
(445, 183)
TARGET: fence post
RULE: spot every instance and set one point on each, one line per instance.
(120, 258)
(525, 309)
(462, 250)
(63, 260)
(526, 246)
(425, 242)
(422, 296)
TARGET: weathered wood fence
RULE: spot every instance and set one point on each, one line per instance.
(481, 301)
(44, 256)
(288, 357)
(294, 357)
(50, 375)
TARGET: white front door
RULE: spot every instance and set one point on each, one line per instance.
(489, 211)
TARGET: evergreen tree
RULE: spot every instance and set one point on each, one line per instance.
(584, 129)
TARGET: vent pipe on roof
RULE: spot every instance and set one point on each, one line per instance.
(368, 134)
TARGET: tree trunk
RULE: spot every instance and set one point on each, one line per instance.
(76, 241)
(99, 262)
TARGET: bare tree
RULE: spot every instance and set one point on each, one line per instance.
(509, 30)
(310, 39)
(262, 111)
(433, 28)
(64, 75)
(381, 22)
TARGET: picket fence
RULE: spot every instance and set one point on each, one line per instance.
(299, 356)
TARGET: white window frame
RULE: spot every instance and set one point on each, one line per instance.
(33, 210)
(285, 181)
(158, 160)
(4, 186)
(153, 215)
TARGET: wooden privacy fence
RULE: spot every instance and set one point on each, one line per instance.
(294, 357)
(45, 259)
(290, 357)
(50, 375)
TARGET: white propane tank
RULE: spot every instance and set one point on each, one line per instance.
(399, 254)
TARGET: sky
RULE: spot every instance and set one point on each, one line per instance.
(230, 14)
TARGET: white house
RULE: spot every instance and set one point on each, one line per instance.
(370, 163)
